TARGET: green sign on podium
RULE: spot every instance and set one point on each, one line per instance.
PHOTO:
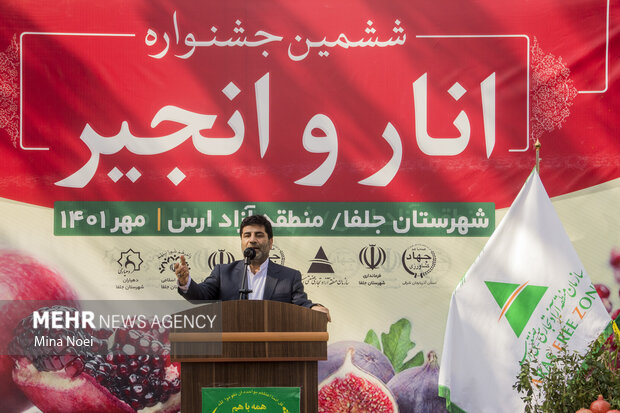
(250, 399)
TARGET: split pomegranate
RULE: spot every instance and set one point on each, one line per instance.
(127, 370)
(351, 389)
(23, 280)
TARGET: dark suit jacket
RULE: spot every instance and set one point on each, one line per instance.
(282, 284)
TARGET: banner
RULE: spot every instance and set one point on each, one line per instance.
(250, 399)
(509, 308)
(384, 141)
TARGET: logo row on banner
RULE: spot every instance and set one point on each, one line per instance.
(373, 265)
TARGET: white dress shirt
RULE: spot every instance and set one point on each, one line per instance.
(256, 282)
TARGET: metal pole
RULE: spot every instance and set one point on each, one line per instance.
(537, 146)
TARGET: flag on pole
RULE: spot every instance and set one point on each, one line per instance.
(527, 295)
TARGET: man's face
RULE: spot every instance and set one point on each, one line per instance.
(254, 236)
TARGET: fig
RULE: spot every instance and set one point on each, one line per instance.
(23, 279)
(365, 357)
(121, 371)
(351, 389)
(416, 389)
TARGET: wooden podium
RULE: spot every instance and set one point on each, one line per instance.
(263, 344)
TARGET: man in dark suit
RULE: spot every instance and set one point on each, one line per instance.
(266, 279)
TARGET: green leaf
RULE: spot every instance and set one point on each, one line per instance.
(372, 339)
(414, 361)
(397, 342)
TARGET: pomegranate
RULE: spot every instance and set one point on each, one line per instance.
(365, 357)
(614, 258)
(614, 261)
(600, 405)
(602, 290)
(584, 410)
(22, 279)
(416, 389)
(351, 389)
(608, 304)
(122, 371)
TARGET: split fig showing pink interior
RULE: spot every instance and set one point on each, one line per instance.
(416, 388)
(365, 356)
(122, 371)
(351, 389)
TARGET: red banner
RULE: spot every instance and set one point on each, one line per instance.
(383, 140)
(311, 102)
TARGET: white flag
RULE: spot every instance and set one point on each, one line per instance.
(509, 304)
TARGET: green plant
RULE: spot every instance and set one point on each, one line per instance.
(396, 344)
(572, 380)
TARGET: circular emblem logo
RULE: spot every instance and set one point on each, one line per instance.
(372, 256)
(419, 260)
(276, 255)
(168, 261)
(220, 257)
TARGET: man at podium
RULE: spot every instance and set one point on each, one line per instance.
(265, 280)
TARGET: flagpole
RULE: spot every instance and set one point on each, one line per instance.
(537, 146)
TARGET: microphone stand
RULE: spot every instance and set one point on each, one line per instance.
(248, 253)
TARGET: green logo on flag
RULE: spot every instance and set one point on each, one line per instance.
(517, 302)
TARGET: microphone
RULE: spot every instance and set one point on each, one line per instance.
(249, 253)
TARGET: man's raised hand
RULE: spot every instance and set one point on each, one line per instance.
(182, 271)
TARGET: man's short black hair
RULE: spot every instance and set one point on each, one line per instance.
(257, 220)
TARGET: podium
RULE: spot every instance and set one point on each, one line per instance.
(263, 344)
